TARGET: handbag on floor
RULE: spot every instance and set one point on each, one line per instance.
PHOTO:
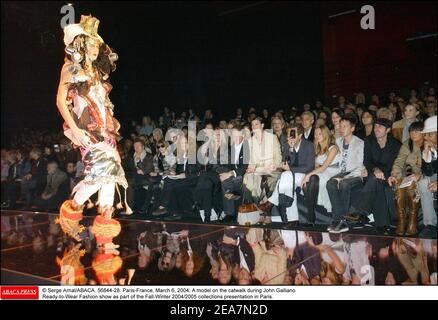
(248, 214)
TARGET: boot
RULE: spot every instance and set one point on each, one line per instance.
(413, 215)
(105, 228)
(400, 210)
(69, 219)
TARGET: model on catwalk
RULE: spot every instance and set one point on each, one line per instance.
(85, 106)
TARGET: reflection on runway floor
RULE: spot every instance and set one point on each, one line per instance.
(35, 251)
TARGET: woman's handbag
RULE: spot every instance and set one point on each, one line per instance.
(248, 214)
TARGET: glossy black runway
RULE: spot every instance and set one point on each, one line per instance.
(34, 250)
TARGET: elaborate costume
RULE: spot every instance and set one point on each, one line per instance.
(84, 91)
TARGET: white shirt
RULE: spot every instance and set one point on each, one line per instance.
(237, 149)
(307, 134)
(427, 156)
(297, 148)
(243, 263)
(142, 155)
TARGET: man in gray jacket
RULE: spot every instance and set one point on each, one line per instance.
(340, 186)
(57, 188)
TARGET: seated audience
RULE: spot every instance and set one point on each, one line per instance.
(278, 128)
(71, 173)
(33, 183)
(259, 167)
(400, 129)
(428, 184)
(178, 188)
(144, 165)
(300, 161)
(379, 155)
(367, 128)
(308, 119)
(207, 193)
(57, 188)
(340, 186)
(407, 163)
(265, 159)
(157, 136)
(385, 113)
(231, 175)
(336, 117)
(18, 169)
(327, 166)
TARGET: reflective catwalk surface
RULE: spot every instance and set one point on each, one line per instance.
(35, 251)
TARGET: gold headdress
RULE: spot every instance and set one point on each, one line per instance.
(88, 26)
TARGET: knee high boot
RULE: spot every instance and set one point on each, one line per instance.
(400, 197)
(413, 212)
(105, 228)
(69, 219)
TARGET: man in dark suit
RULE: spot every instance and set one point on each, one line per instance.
(177, 195)
(34, 182)
(308, 119)
(300, 160)
(144, 165)
(234, 244)
(56, 190)
(231, 175)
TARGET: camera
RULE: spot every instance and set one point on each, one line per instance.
(293, 133)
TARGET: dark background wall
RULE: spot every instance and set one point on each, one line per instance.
(400, 52)
(217, 55)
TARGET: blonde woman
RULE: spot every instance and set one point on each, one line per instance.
(207, 192)
(326, 166)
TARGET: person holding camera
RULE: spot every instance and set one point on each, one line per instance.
(299, 161)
